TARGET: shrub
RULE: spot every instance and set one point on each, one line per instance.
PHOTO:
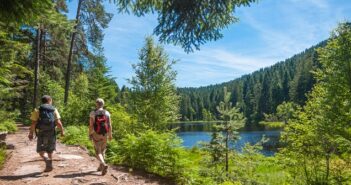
(158, 153)
(77, 111)
(122, 122)
(9, 126)
(152, 151)
(78, 135)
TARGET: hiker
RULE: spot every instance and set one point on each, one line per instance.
(44, 121)
(100, 129)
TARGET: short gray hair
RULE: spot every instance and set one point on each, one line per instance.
(100, 102)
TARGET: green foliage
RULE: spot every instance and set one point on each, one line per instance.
(18, 11)
(8, 125)
(231, 183)
(154, 152)
(187, 23)
(316, 139)
(272, 124)
(219, 148)
(7, 121)
(154, 99)
(13, 73)
(122, 122)
(247, 167)
(286, 110)
(2, 157)
(78, 135)
(159, 153)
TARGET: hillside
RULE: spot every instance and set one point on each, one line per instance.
(256, 93)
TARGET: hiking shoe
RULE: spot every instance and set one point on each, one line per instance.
(100, 167)
(104, 170)
(48, 167)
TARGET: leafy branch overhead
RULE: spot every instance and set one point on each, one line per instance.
(188, 23)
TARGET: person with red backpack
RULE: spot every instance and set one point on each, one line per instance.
(44, 121)
(100, 129)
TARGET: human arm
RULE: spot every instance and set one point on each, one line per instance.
(60, 126)
(34, 118)
(58, 122)
(110, 131)
(32, 129)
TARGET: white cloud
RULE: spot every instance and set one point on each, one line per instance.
(210, 66)
(280, 30)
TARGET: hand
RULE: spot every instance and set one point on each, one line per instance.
(91, 136)
(110, 138)
(30, 136)
(62, 134)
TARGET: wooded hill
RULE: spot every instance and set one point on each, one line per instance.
(256, 93)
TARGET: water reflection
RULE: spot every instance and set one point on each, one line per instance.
(193, 133)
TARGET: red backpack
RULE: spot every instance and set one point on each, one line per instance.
(102, 122)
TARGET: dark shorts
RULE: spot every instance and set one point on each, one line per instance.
(46, 142)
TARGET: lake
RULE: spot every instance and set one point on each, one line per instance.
(193, 133)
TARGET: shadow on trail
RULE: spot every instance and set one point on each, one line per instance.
(18, 177)
(41, 160)
(77, 174)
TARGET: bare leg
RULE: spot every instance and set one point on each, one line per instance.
(100, 157)
(42, 155)
(50, 156)
(49, 163)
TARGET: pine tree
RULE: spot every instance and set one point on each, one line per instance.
(154, 98)
(233, 120)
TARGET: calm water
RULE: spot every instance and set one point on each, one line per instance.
(193, 133)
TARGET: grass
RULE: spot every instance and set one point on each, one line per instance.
(273, 124)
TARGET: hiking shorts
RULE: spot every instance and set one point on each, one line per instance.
(100, 143)
(46, 142)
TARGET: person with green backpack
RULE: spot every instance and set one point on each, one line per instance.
(100, 129)
(44, 121)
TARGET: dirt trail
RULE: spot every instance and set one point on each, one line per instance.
(72, 166)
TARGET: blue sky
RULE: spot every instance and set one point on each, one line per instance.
(268, 32)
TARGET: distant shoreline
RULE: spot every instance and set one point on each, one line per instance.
(185, 122)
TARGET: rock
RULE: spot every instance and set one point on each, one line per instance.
(3, 136)
(78, 180)
(23, 170)
(10, 147)
(2, 144)
(62, 165)
(68, 156)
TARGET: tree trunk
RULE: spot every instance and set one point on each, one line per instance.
(226, 152)
(36, 69)
(327, 161)
(43, 46)
(69, 62)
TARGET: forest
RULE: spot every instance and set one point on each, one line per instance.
(43, 52)
(257, 93)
